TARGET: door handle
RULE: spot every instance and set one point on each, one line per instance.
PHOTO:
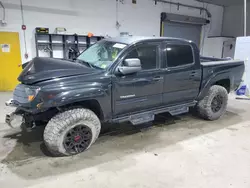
(157, 78)
(193, 74)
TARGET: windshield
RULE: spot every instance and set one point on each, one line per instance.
(101, 54)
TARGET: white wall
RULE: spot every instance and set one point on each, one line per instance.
(234, 20)
(99, 17)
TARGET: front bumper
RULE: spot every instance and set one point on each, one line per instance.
(24, 111)
(21, 107)
(10, 103)
(14, 120)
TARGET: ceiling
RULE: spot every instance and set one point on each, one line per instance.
(223, 2)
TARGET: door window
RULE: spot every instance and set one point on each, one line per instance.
(147, 53)
(179, 55)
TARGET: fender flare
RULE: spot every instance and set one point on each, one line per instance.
(211, 81)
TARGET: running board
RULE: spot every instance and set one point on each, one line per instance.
(148, 116)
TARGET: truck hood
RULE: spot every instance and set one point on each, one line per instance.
(41, 69)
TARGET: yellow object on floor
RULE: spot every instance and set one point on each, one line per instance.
(10, 59)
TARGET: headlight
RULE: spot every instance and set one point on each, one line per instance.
(31, 93)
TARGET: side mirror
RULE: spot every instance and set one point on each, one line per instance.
(130, 66)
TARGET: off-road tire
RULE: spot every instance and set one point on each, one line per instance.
(61, 123)
(204, 108)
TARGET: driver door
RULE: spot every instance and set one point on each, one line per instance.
(143, 90)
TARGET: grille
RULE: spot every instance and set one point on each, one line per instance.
(20, 95)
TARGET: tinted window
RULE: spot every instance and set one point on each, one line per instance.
(147, 53)
(178, 55)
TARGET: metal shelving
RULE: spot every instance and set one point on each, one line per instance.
(59, 45)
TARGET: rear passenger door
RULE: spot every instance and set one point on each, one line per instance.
(182, 73)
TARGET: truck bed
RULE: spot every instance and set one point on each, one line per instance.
(208, 59)
(221, 62)
(228, 69)
(216, 62)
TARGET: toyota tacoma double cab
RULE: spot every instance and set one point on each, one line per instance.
(124, 79)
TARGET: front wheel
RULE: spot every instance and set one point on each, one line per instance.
(214, 104)
(71, 132)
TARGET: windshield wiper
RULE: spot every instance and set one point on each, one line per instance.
(86, 63)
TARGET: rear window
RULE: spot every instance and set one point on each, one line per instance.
(179, 55)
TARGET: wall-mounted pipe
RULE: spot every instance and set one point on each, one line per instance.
(185, 5)
(245, 17)
(1, 4)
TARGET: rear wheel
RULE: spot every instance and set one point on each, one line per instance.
(71, 132)
(214, 104)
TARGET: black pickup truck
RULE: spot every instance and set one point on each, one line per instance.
(117, 80)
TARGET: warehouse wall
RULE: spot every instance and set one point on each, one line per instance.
(99, 17)
(234, 20)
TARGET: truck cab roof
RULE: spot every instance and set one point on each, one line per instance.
(135, 39)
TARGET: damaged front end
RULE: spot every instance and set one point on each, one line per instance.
(14, 120)
(25, 113)
(22, 98)
(17, 118)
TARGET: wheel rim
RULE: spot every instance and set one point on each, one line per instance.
(217, 103)
(77, 139)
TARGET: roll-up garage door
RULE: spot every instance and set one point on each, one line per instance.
(183, 30)
(181, 26)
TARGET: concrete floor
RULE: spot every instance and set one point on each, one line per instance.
(176, 152)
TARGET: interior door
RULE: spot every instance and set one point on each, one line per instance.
(228, 48)
(143, 90)
(10, 59)
(182, 74)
